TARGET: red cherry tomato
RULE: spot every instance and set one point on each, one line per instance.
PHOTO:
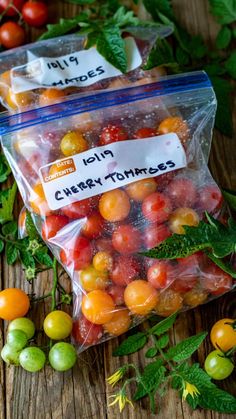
(182, 192)
(93, 226)
(144, 132)
(210, 198)
(160, 275)
(35, 13)
(155, 234)
(104, 244)
(215, 280)
(77, 254)
(156, 207)
(11, 11)
(184, 284)
(125, 269)
(12, 35)
(117, 294)
(86, 333)
(126, 239)
(111, 134)
(78, 209)
(187, 274)
(52, 225)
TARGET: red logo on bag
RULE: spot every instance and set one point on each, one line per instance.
(59, 169)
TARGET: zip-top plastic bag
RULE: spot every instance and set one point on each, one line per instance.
(47, 72)
(109, 175)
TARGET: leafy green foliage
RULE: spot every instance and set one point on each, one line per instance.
(163, 326)
(111, 45)
(64, 26)
(7, 200)
(132, 344)
(162, 54)
(4, 169)
(218, 400)
(223, 38)
(184, 349)
(152, 377)
(151, 352)
(156, 7)
(230, 197)
(223, 10)
(230, 65)
(223, 90)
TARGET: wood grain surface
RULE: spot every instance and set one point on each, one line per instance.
(82, 393)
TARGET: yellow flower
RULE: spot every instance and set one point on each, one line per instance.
(189, 389)
(120, 398)
(114, 378)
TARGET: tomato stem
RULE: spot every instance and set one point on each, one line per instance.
(54, 286)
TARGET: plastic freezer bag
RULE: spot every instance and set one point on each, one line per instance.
(47, 72)
(111, 174)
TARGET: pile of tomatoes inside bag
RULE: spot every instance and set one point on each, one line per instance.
(114, 285)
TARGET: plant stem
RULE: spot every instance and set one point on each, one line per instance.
(54, 286)
(43, 297)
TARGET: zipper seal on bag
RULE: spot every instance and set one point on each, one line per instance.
(104, 99)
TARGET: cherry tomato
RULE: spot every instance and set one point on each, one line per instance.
(114, 205)
(51, 96)
(37, 200)
(12, 35)
(174, 124)
(195, 297)
(104, 244)
(218, 366)
(62, 356)
(139, 190)
(92, 279)
(73, 143)
(119, 323)
(32, 359)
(156, 207)
(160, 274)
(117, 294)
(184, 284)
(77, 254)
(182, 217)
(93, 226)
(57, 325)
(223, 334)
(111, 134)
(52, 225)
(24, 324)
(186, 273)
(210, 198)
(169, 302)
(13, 303)
(86, 333)
(145, 132)
(11, 11)
(215, 280)
(155, 234)
(126, 239)
(125, 270)
(182, 192)
(98, 307)
(103, 261)
(79, 209)
(18, 100)
(140, 297)
(35, 13)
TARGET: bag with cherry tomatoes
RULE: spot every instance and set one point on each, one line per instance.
(109, 175)
(48, 72)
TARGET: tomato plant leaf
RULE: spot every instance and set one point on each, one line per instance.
(223, 121)
(230, 198)
(218, 400)
(184, 349)
(1, 245)
(163, 341)
(153, 375)
(151, 352)
(154, 7)
(223, 37)
(230, 65)
(11, 253)
(161, 54)
(27, 259)
(163, 326)
(111, 46)
(43, 258)
(10, 228)
(4, 169)
(64, 26)
(132, 344)
(7, 204)
(223, 10)
(30, 227)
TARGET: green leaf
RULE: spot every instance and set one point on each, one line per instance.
(154, 7)
(27, 259)
(223, 91)
(111, 46)
(184, 349)
(151, 352)
(4, 169)
(223, 37)
(43, 258)
(132, 344)
(230, 198)
(7, 204)
(9, 228)
(161, 54)
(197, 47)
(182, 56)
(230, 65)
(11, 253)
(64, 26)
(195, 375)
(218, 400)
(214, 69)
(163, 326)
(225, 266)
(153, 375)
(162, 342)
(122, 17)
(223, 10)
(30, 227)
(1, 245)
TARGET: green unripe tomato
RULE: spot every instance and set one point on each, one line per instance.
(10, 355)
(62, 356)
(32, 359)
(17, 339)
(218, 366)
(24, 324)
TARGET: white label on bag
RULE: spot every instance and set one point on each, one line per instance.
(104, 168)
(82, 68)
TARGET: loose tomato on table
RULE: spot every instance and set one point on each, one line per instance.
(77, 253)
(57, 325)
(111, 134)
(6, 7)
(14, 303)
(35, 13)
(223, 334)
(12, 35)
(218, 366)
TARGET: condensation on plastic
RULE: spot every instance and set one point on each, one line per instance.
(59, 47)
(32, 139)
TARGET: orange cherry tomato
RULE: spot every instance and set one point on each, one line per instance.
(114, 205)
(139, 190)
(140, 297)
(223, 334)
(103, 261)
(174, 124)
(92, 279)
(51, 96)
(98, 307)
(169, 302)
(119, 323)
(18, 100)
(73, 143)
(195, 297)
(14, 303)
(182, 217)
(37, 200)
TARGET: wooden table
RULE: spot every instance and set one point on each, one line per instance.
(82, 393)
